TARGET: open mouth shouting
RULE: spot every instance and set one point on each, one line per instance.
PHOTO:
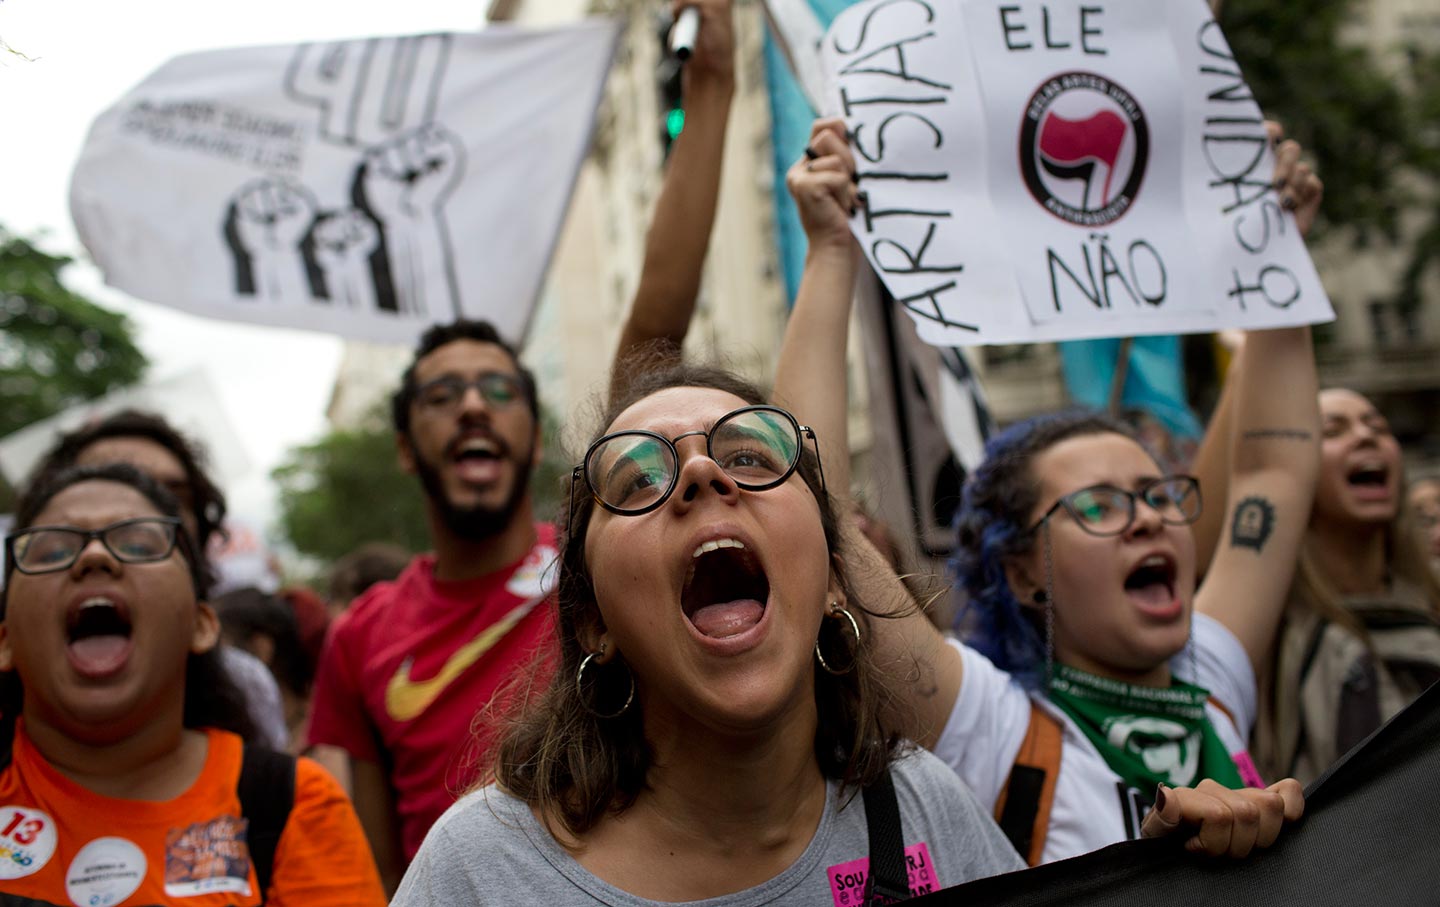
(726, 590)
(478, 457)
(98, 636)
(1151, 585)
(1369, 479)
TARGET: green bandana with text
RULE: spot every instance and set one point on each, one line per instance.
(1147, 735)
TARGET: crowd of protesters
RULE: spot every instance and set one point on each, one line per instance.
(701, 680)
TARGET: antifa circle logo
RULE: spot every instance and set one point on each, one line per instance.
(1084, 145)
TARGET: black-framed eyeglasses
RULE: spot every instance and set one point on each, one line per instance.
(1106, 510)
(50, 549)
(633, 472)
(496, 389)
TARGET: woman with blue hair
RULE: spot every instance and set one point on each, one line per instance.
(1099, 682)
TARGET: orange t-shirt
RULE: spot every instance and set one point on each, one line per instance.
(61, 844)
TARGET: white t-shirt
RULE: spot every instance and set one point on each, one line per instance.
(1093, 807)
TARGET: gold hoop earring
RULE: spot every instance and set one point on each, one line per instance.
(854, 659)
(587, 706)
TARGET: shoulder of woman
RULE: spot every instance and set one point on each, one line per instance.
(486, 812)
(926, 779)
(487, 843)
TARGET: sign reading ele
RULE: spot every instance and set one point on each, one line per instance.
(1062, 170)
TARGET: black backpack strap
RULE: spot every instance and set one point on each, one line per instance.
(888, 880)
(267, 793)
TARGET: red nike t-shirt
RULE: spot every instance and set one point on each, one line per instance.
(406, 669)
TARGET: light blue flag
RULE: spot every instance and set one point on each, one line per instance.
(791, 116)
(1154, 382)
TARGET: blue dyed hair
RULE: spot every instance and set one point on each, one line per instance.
(992, 528)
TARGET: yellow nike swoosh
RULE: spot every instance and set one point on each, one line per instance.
(406, 698)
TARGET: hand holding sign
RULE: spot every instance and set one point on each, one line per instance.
(1299, 188)
(821, 184)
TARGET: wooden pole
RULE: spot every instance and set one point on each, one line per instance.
(1122, 370)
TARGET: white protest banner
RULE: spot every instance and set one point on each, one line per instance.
(366, 188)
(1062, 170)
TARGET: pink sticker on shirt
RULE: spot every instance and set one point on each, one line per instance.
(847, 880)
(1248, 772)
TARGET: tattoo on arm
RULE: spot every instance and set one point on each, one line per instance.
(1276, 434)
(1252, 524)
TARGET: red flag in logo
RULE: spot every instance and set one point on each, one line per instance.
(1069, 149)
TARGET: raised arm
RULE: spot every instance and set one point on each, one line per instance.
(685, 210)
(1212, 463)
(810, 380)
(1274, 461)
(810, 376)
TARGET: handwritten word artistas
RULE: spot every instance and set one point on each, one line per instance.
(886, 98)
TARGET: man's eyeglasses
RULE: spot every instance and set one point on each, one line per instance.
(49, 549)
(496, 389)
(634, 472)
(1106, 510)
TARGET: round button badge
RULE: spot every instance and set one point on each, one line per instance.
(105, 872)
(27, 841)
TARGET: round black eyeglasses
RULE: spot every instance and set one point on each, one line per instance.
(1105, 510)
(634, 472)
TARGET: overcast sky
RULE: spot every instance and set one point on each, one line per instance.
(83, 54)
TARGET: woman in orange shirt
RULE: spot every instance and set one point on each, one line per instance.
(124, 780)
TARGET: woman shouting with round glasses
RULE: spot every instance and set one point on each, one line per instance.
(717, 709)
(1098, 681)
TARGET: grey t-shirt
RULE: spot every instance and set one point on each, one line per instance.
(490, 849)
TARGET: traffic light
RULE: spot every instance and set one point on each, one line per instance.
(668, 79)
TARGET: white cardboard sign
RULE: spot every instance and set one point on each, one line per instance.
(1060, 170)
(366, 188)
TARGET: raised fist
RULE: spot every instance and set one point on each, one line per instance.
(343, 242)
(410, 175)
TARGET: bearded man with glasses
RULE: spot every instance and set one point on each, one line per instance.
(406, 668)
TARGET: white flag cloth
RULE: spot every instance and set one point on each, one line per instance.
(188, 400)
(366, 188)
(1063, 170)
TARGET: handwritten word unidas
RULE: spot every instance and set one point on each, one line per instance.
(1019, 30)
(892, 99)
(1101, 275)
(1233, 144)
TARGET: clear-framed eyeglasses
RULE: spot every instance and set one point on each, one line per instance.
(1105, 510)
(50, 549)
(633, 472)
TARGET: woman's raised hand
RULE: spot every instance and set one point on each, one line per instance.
(823, 185)
(1299, 188)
